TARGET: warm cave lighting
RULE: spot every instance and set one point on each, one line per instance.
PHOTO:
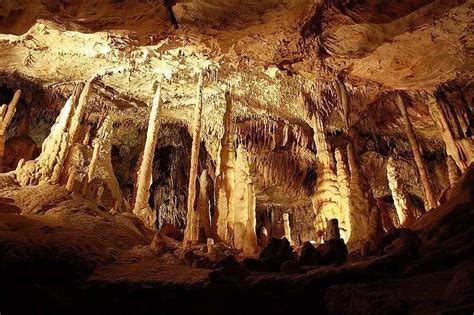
(236, 157)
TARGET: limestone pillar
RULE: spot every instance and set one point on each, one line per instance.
(420, 162)
(6, 116)
(141, 209)
(360, 202)
(193, 171)
(225, 183)
(286, 227)
(453, 171)
(204, 214)
(343, 179)
(401, 200)
(326, 196)
(244, 219)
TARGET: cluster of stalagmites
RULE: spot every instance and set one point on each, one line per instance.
(343, 203)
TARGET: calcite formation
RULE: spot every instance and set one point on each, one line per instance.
(267, 119)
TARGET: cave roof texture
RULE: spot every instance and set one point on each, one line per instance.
(268, 53)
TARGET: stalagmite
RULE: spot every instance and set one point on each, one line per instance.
(244, 219)
(420, 162)
(264, 237)
(193, 172)
(100, 168)
(144, 178)
(6, 116)
(402, 202)
(71, 180)
(47, 166)
(326, 196)
(224, 187)
(453, 171)
(343, 179)
(361, 203)
(204, 227)
(332, 230)
(286, 226)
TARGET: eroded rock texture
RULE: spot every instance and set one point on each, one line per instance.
(235, 128)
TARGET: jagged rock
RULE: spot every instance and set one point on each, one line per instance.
(309, 256)
(333, 252)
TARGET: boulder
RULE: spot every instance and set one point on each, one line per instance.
(403, 241)
(333, 252)
(171, 231)
(203, 263)
(189, 257)
(309, 255)
(234, 274)
(228, 261)
(215, 254)
(289, 267)
(159, 244)
(276, 252)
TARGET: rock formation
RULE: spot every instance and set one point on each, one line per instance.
(403, 205)
(419, 160)
(6, 116)
(193, 172)
(141, 208)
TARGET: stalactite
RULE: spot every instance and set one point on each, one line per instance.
(144, 178)
(326, 196)
(401, 200)
(6, 116)
(193, 172)
(224, 187)
(343, 179)
(420, 162)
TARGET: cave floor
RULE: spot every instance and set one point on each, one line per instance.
(63, 254)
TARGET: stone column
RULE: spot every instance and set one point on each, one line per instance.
(193, 171)
(402, 202)
(244, 219)
(420, 162)
(204, 214)
(360, 204)
(224, 187)
(6, 116)
(141, 209)
(326, 196)
(453, 171)
(343, 179)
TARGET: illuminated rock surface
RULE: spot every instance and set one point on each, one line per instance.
(303, 150)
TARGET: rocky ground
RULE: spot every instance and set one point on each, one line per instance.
(61, 253)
